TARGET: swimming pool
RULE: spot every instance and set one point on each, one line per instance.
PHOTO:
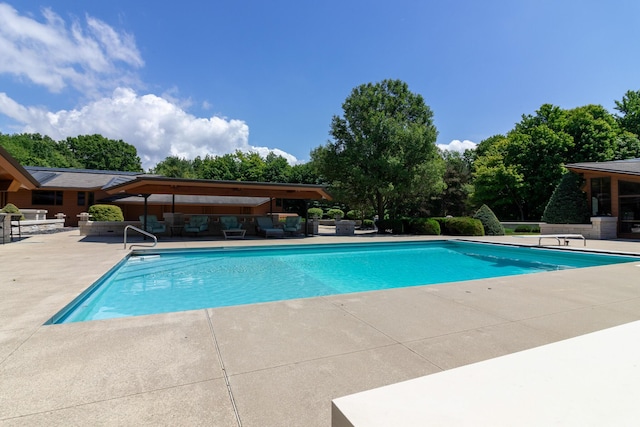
(160, 281)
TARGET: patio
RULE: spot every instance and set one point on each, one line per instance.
(272, 364)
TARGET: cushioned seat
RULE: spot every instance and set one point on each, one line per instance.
(197, 224)
(266, 228)
(152, 225)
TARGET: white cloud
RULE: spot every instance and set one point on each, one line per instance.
(99, 62)
(55, 56)
(457, 145)
(157, 127)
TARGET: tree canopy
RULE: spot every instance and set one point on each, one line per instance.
(516, 173)
(383, 151)
(84, 151)
(238, 166)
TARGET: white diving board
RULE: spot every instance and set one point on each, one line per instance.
(561, 238)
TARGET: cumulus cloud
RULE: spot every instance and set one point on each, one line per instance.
(54, 55)
(155, 126)
(457, 145)
(100, 63)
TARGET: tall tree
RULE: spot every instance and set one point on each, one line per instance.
(457, 178)
(33, 149)
(175, 167)
(383, 151)
(629, 108)
(100, 153)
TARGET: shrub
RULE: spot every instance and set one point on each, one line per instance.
(367, 224)
(442, 222)
(10, 208)
(106, 213)
(354, 214)
(315, 212)
(333, 212)
(425, 226)
(390, 225)
(568, 203)
(527, 229)
(492, 226)
(464, 226)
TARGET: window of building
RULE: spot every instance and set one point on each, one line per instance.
(600, 196)
(82, 198)
(629, 196)
(46, 198)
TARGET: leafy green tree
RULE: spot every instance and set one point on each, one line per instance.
(629, 108)
(594, 132)
(496, 181)
(38, 150)
(304, 173)
(383, 151)
(518, 175)
(457, 179)
(175, 167)
(100, 153)
(276, 168)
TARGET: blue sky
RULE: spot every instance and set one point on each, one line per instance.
(206, 77)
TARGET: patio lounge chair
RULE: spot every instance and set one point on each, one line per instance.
(266, 228)
(292, 225)
(231, 228)
(197, 224)
(152, 224)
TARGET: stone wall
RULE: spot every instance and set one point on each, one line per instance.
(601, 228)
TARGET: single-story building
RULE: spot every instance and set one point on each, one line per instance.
(613, 189)
(73, 191)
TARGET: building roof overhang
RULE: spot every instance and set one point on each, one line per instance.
(630, 167)
(146, 184)
(12, 175)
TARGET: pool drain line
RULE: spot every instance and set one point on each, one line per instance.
(224, 370)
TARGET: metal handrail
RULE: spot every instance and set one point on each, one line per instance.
(139, 230)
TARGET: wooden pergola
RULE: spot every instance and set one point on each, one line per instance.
(146, 185)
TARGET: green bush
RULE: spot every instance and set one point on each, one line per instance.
(568, 203)
(442, 222)
(354, 214)
(315, 212)
(106, 213)
(393, 226)
(464, 226)
(367, 224)
(425, 226)
(10, 208)
(523, 228)
(490, 222)
(333, 212)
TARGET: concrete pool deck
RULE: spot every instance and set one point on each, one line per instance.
(272, 364)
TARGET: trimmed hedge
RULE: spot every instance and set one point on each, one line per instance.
(523, 228)
(333, 212)
(10, 208)
(568, 203)
(460, 226)
(490, 222)
(315, 212)
(106, 213)
(425, 226)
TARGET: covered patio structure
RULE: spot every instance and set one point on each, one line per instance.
(213, 198)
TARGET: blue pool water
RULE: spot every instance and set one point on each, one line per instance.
(160, 281)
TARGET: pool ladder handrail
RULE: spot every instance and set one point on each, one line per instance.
(141, 231)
